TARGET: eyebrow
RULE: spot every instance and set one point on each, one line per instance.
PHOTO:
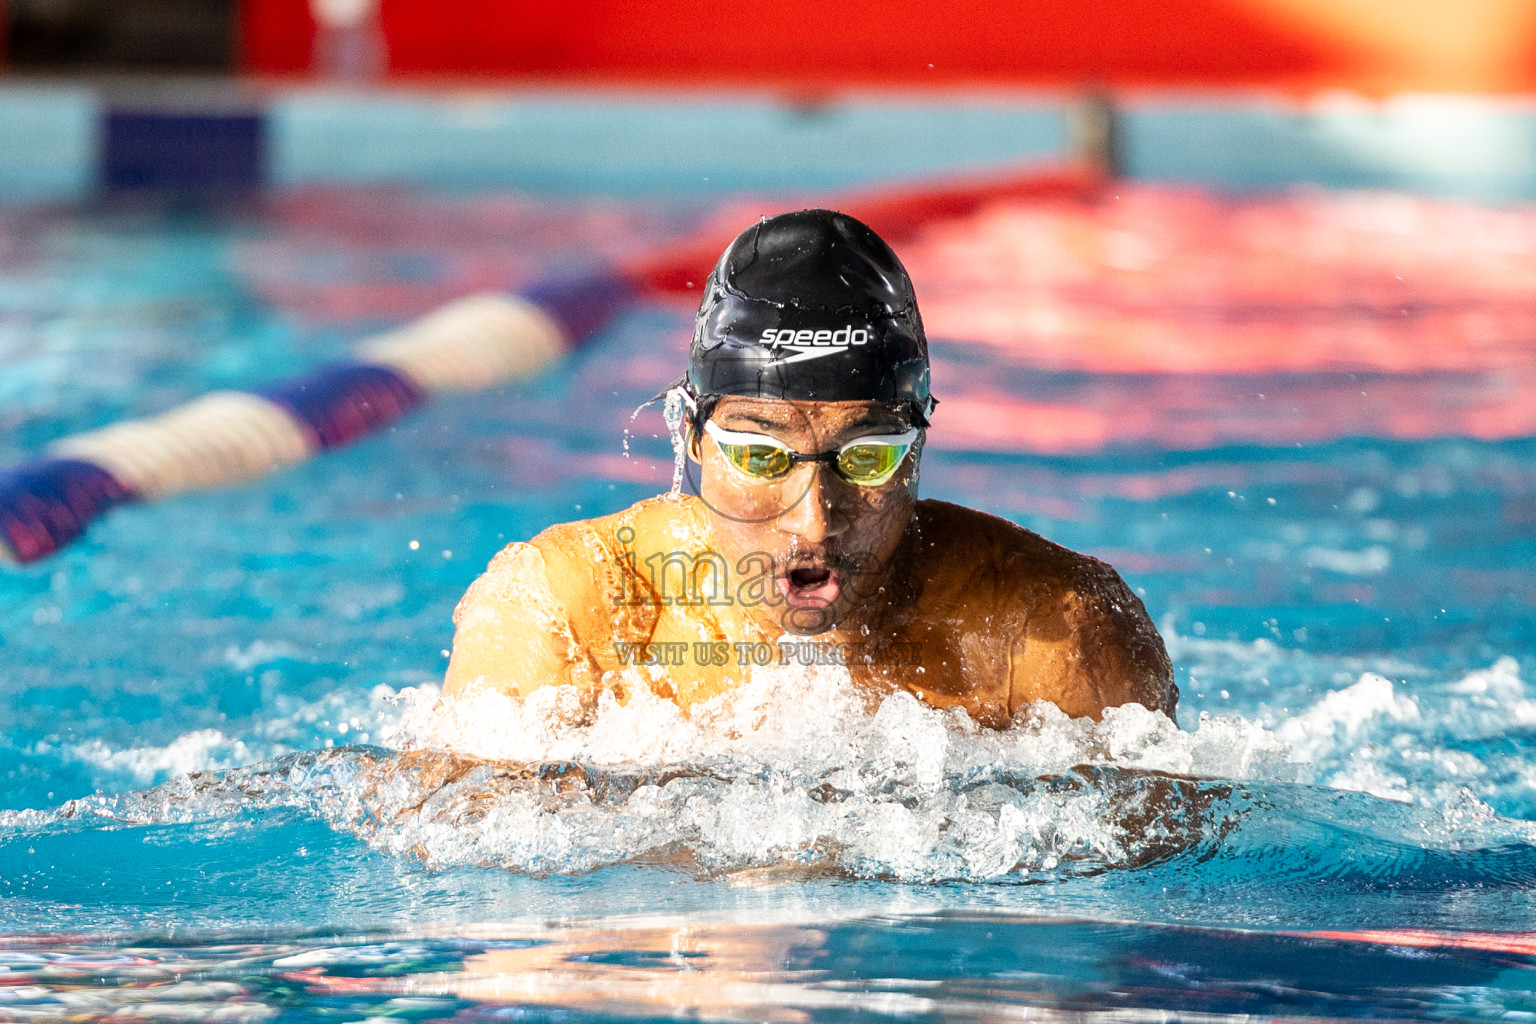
(760, 421)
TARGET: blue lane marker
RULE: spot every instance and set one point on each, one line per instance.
(583, 305)
(340, 403)
(46, 505)
(184, 151)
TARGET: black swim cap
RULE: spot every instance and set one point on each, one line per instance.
(811, 306)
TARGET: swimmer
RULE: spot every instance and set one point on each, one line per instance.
(805, 406)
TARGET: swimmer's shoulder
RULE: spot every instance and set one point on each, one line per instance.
(580, 558)
(1093, 644)
(989, 545)
(588, 565)
(545, 610)
(511, 633)
(590, 551)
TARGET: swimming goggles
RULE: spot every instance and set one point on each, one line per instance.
(867, 461)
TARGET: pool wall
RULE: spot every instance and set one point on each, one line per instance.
(69, 142)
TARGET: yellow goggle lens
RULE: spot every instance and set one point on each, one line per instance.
(759, 460)
(870, 464)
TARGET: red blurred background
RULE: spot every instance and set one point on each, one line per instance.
(1368, 45)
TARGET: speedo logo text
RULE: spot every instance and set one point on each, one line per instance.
(790, 338)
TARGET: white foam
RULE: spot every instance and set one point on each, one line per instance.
(293, 724)
(1336, 719)
(198, 750)
(799, 767)
(796, 765)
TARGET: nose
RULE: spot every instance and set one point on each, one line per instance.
(817, 516)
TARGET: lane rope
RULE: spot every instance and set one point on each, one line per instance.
(229, 437)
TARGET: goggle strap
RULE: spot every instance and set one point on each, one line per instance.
(685, 397)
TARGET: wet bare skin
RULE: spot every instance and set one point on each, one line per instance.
(997, 616)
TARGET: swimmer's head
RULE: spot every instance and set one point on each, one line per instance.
(807, 389)
(810, 306)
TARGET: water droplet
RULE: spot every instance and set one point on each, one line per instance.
(672, 412)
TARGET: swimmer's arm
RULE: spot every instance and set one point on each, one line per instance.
(1095, 649)
(512, 635)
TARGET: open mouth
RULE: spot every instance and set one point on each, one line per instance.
(810, 586)
(809, 578)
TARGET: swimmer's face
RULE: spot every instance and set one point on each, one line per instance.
(819, 544)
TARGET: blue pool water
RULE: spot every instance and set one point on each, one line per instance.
(224, 793)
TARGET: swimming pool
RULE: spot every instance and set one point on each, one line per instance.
(1301, 426)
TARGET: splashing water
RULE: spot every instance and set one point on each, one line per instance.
(672, 413)
(795, 768)
(798, 769)
(673, 403)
